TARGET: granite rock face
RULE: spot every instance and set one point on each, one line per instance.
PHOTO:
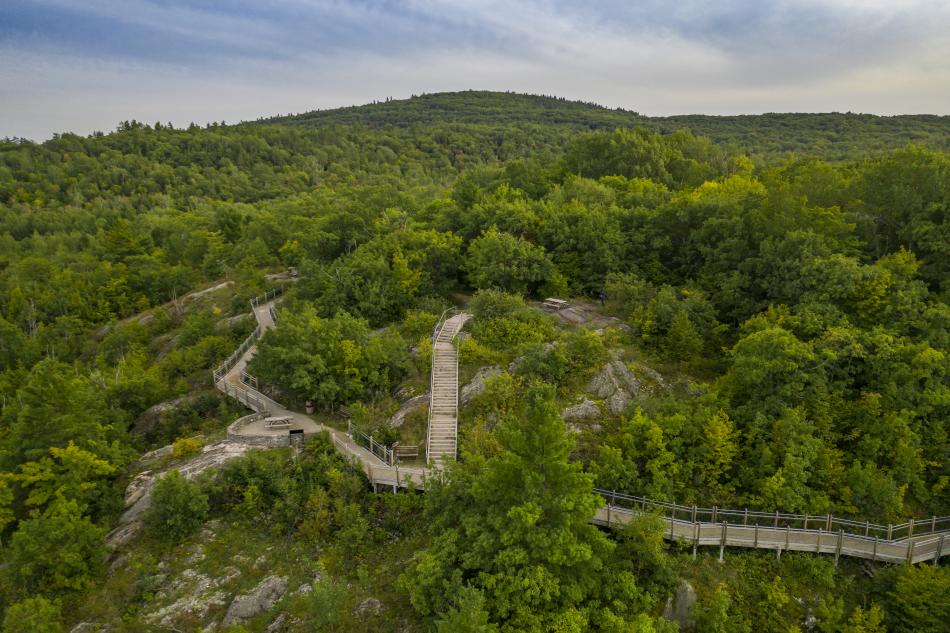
(259, 599)
(616, 385)
(583, 411)
(138, 494)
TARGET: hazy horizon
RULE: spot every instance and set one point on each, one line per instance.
(84, 68)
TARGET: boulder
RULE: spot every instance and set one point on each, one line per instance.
(583, 411)
(616, 385)
(477, 384)
(259, 599)
(370, 606)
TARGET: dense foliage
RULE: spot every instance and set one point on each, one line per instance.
(797, 311)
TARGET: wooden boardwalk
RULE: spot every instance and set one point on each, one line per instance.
(442, 435)
(911, 542)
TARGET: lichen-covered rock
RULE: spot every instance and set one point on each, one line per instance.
(477, 384)
(279, 624)
(259, 599)
(199, 595)
(583, 411)
(616, 385)
(370, 606)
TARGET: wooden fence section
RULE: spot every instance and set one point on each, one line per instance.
(783, 532)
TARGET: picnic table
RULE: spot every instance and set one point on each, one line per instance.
(278, 422)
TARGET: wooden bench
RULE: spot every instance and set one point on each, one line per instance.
(278, 422)
(554, 305)
(406, 452)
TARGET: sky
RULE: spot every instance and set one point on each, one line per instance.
(85, 65)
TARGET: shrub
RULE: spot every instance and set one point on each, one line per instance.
(185, 446)
(36, 615)
(178, 508)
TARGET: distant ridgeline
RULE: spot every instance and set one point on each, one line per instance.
(828, 135)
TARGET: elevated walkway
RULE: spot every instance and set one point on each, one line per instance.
(442, 436)
(911, 542)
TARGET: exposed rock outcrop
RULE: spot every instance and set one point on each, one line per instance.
(370, 606)
(616, 385)
(583, 411)
(477, 384)
(200, 594)
(138, 494)
(258, 600)
(407, 407)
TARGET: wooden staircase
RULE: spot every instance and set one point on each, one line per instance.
(442, 442)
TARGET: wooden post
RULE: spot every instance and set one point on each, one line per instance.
(693, 516)
(696, 537)
(755, 542)
(776, 519)
(874, 552)
(788, 531)
(910, 552)
(806, 522)
(714, 514)
(608, 513)
(838, 547)
(867, 527)
(819, 541)
(890, 531)
(397, 475)
(745, 517)
(828, 523)
(910, 527)
(933, 524)
(939, 551)
(722, 541)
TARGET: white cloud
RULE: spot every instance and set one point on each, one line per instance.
(297, 55)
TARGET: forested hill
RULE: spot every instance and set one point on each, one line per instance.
(780, 328)
(830, 135)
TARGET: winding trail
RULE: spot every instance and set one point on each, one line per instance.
(911, 542)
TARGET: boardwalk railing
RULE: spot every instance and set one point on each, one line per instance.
(246, 392)
(221, 370)
(267, 296)
(436, 331)
(911, 542)
(368, 441)
(447, 314)
(827, 522)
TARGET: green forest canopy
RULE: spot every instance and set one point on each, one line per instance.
(797, 265)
